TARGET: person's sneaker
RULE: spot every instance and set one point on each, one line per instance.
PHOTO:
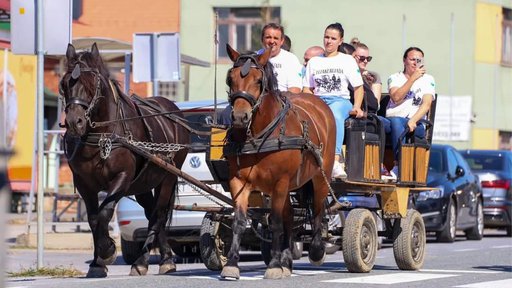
(391, 175)
(338, 170)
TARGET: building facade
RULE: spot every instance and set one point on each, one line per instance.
(467, 45)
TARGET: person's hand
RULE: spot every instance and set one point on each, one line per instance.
(420, 71)
(411, 124)
(357, 111)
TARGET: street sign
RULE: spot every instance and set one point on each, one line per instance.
(156, 57)
(57, 26)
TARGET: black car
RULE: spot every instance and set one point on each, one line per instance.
(494, 169)
(457, 201)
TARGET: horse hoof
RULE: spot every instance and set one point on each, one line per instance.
(138, 270)
(230, 272)
(273, 273)
(167, 268)
(318, 262)
(286, 272)
(109, 260)
(97, 272)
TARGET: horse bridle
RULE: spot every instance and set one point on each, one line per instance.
(88, 106)
(247, 62)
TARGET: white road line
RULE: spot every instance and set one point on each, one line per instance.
(460, 271)
(506, 283)
(465, 250)
(394, 278)
(501, 247)
(309, 272)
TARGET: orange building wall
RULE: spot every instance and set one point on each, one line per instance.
(119, 19)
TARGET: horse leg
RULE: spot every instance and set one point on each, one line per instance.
(107, 247)
(317, 247)
(166, 198)
(231, 269)
(140, 266)
(279, 204)
(97, 269)
(286, 255)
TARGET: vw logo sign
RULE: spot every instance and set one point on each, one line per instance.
(195, 162)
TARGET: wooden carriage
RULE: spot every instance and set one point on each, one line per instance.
(366, 152)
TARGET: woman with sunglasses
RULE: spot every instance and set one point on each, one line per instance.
(411, 92)
(371, 79)
(328, 76)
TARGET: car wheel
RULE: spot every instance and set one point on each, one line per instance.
(509, 231)
(449, 231)
(477, 232)
(131, 250)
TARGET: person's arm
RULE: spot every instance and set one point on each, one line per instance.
(358, 100)
(294, 89)
(307, 90)
(422, 111)
(397, 94)
(377, 90)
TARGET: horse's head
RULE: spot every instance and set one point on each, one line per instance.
(248, 80)
(81, 88)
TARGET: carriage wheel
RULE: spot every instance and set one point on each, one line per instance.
(214, 242)
(360, 241)
(409, 241)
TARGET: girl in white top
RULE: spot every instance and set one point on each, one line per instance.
(328, 76)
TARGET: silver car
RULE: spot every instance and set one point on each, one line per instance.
(494, 169)
(185, 227)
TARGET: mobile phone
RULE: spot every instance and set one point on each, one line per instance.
(419, 62)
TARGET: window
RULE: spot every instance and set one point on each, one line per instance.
(168, 90)
(506, 50)
(241, 27)
(77, 9)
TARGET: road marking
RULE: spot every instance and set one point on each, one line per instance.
(506, 283)
(501, 247)
(395, 278)
(465, 250)
(460, 271)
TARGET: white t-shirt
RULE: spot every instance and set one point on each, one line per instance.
(287, 69)
(413, 99)
(330, 76)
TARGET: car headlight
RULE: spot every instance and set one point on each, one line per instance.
(431, 194)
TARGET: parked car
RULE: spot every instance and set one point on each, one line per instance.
(456, 203)
(185, 227)
(494, 169)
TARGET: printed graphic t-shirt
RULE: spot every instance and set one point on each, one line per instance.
(330, 76)
(414, 97)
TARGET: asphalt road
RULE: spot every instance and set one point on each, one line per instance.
(486, 263)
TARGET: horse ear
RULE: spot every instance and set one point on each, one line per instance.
(71, 52)
(263, 58)
(233, 55)
(95, 51)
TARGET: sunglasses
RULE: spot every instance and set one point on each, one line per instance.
(363, 58)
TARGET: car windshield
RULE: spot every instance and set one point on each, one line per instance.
(485, 162)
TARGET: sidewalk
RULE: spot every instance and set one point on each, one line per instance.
(64, 236)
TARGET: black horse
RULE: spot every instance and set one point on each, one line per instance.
(103, 129)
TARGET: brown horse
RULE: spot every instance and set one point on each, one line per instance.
(293, 139)
(100, 121)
